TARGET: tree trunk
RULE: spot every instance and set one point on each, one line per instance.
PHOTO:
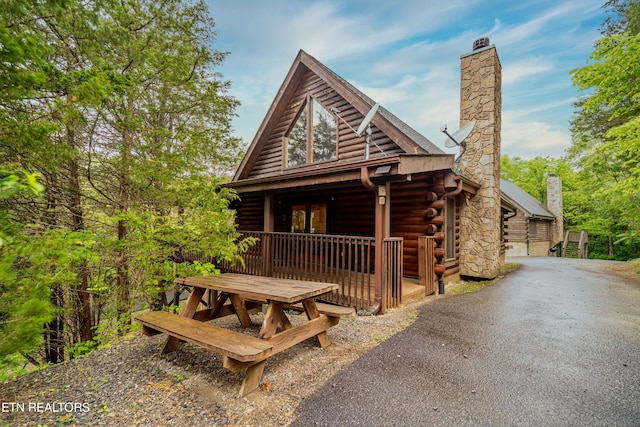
(610, 246)
(54, 332)
(54, 340)
(122, 266)
(83, 312)
(123, 304)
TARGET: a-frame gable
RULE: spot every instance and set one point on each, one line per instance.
(309, 79)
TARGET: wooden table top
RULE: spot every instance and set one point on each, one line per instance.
(260, 288)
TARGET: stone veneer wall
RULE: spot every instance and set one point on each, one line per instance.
(481, 100)
(554, 205)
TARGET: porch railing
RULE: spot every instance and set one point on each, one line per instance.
(393, 271)
(345, 260)
(427, 264)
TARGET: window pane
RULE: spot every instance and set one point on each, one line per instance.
(318, 221)
(297, 141)
(325, 132)
(298, 218)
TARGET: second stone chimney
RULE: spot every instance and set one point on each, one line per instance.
(480, 220)
(554, 205)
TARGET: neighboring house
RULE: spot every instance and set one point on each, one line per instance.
(534, 229)
(385, 213)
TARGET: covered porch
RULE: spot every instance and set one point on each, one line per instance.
(348, 261)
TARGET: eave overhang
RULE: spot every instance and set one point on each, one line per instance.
(379, 170)
(525, 211)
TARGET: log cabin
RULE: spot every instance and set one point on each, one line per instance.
(375, 207)
(534, 229)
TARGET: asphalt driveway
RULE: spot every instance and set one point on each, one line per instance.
(556, 343)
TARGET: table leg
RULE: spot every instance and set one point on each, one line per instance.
(252, 378)
(284, 321)
(311, 309)
(271, 320)
(188, 311)
(241, 310)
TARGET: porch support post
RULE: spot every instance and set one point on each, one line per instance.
(269, 221)
(380, 234)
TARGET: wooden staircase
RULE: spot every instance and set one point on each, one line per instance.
(575, 244)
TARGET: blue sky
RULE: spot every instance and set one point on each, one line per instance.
(406, 55)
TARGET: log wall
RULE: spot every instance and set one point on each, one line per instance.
(418, 210)
(350, 211)
(523, 229)
(249, 212)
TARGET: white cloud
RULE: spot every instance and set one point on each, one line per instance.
(532, 139)
(406, 55)
(526, 68)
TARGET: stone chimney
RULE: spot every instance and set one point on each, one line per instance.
(554, 205)
(480, 219)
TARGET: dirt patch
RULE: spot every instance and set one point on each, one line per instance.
(630, 269)
(129, 383)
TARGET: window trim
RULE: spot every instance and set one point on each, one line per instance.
(285, 138)
(450, 229)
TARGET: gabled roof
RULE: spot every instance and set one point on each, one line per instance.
(407, 139)
(414, 135)
(530, 205)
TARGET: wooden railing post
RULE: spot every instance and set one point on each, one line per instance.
(267, 255)
(427, 263)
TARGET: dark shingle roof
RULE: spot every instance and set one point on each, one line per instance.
(529, 204)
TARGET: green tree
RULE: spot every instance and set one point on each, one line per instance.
(25, 78)
(531, 175)
(170, 123)
(606, 130)
(118, 107)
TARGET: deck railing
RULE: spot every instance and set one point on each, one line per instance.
(345, 260)
(575, 244)
(393, 271)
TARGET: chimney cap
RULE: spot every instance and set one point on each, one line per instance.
(480, 43)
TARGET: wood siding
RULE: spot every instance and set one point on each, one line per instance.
(249, 212)
(538, 230)
(523, 229)
(350, 211)
(271, 161)
(517, 228)
(415, 214)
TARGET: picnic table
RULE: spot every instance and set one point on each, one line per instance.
(245, 293)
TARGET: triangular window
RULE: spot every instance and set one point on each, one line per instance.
(315, 143)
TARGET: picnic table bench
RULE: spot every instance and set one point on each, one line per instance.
(242, 351)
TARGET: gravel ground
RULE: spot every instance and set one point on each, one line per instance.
(129, 383)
